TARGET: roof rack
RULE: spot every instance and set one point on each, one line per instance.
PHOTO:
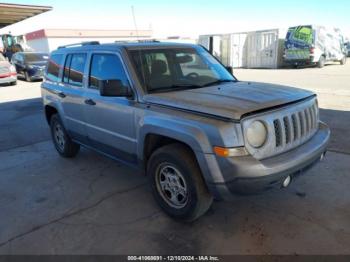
(148, 41)
(137, 41)
(80, 44)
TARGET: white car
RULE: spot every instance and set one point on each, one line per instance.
(8, 74)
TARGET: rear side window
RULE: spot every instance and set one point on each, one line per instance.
(74, 69)
(53, 67)
(106, 67)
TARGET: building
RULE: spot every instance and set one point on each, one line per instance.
(46, 40)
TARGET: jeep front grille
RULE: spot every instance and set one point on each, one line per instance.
(287, 128)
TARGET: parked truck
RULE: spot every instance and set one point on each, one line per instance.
(314, 45)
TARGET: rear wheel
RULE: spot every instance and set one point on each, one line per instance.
(177, 183)
(321, 62)
(63, 144)
(14, 83)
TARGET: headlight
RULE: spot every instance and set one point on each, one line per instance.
(256, 134)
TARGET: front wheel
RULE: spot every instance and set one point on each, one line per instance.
(177, 183)
(63, 144)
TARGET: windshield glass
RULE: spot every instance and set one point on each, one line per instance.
(169, 69)
(2, 58)
(35, 57)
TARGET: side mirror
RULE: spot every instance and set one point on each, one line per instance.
(229, 69)
(113, 87)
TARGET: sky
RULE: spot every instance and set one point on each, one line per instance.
(186, 18)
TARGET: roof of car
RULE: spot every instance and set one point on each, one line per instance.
(128, 45)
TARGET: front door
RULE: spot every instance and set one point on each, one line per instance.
(110, 120)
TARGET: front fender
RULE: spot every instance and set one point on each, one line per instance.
(186, 132)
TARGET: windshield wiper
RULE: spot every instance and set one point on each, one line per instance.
(174, 88)
(216, 82)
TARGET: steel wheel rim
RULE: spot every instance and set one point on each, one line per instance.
(59, 136)
(171, 186)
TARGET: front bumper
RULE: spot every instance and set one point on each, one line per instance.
(249, 175)
(7, 80)
(36, 73)
(308, 61)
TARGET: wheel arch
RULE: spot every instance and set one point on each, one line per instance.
(49, 112)
(153, 137)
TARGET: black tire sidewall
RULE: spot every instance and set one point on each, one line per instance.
(187, 211)
(343, 61)
(321, 62)
(26, 76)
(54, 120)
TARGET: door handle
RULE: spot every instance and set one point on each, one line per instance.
(90, 102)
(61, 94)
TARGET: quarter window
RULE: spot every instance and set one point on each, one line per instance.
(106, 67)
(53, 67)
(74, 69)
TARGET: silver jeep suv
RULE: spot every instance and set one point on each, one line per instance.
(176, 113)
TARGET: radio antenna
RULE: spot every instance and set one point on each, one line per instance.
(139, 49)
(135, 24)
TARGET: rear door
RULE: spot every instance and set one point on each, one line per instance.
(110, 120)
(71, 93)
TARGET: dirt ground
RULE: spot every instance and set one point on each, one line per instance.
(93, 205)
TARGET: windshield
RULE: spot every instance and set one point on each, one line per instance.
(169, 69)
(2, 58)
(36, 57)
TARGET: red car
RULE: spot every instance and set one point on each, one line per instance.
(8, 74)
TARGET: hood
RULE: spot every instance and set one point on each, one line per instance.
(230, 100)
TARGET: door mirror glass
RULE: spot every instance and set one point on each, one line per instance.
(113, 87)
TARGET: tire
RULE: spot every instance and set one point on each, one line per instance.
(63, 144)
(27, 77)
(343, 61)
(13, 83)
(321, 62)
(178, 161)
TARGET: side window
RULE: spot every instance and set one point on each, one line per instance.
(53, 67)
(74, 69)
(13, 59)
(106, 67)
